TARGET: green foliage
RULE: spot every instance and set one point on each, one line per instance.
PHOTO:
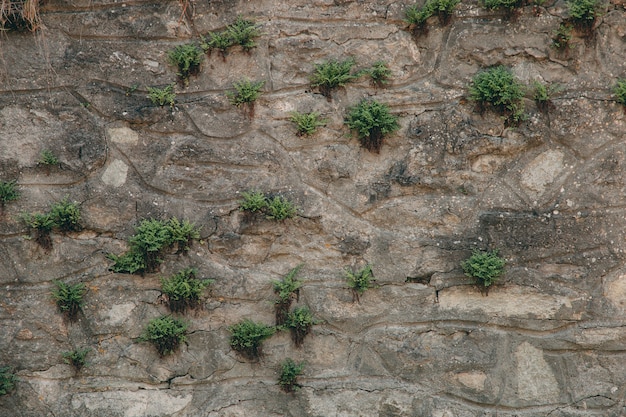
(584, 12)
(372, 121)
(8, 192)
(279, 208)
(486, 267)
(66, 216)
(562, 36)
(416, 15)
(287, 289)
(248, 336)
(498, 87)
(187, 58)
(300, 321)
(242, 32)
(162, 96)
(166, 333)
(69, 298)
(379, 72)
(543, 93)
(216, 40)
(7, 380)
(360, 280)
(289, 372)
(245, 91)
(253, 201)
(183, 290)
(130, 262)
(508, 5)
(620, 91)
(76, 357)
(182, 233)
(41, 225)
(332, 74)
(48, 158)
(307, 123)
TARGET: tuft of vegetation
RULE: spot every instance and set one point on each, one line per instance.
(542, 94)
(300, 321)
(485, 267)
(182, 234)
(183, 290)
(620, 91)
(307, 123)
(69, 298)
(7, 380)
(41, 225)
(274, 208)
(253, 201)
(287, 289)
(562, 36)
(77, 357)
(66, 216)
(162, 96)
(187, 58)
(166, 333)
(498, 88)
(289, 372)
(8, 193)
(242, 32)
(245, 92)
(417, 16)
(48, 158)
(247, 337)
(372, 121)
(360, 280)
(379, 73)
(583, 13)
(332, 74)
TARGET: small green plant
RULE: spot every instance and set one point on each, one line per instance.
(66, 216)
(620, 91)
(8, 193)
(183, 290)
(247, 337)
(243, 32)
(245, 92)
(380, 73)
(372, 121)
(253, 201)
(287, 289)
(360, 280)
(417, 16)
(300, 321)
(583, 13)
(47, 158)
(307, 123)
(41, 225)
(542, 94)
(7, 380)
(332, 74)
(182, 234)
(562, 36)
(509, 6)
(166, 333)
(485, 267)
(69, 298)
(162, 96)
(217, 40)
(76, 358)
(289, 372)
(187, 58)
(498, 88)
(279, 208)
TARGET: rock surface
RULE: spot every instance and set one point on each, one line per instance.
(549, 338)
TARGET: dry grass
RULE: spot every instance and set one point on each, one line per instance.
(19, 15)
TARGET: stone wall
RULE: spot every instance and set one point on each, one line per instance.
(549, 338)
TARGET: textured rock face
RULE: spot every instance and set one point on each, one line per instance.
(549, 339)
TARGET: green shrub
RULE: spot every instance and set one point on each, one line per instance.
(217, 40)
(253, 201)
(66, 216)
(245, 92)
(182, 234)
(243, 32)
(289, 372)
(48, 158)
(583, 13)
(166, 333)
(248, 336)
(69, 298)
(183, 290)
(41, 225)
(300, 321)
(307, 123)
(287, 289)
(507, 5)
(542, 94)
(372, 121)
(279, 208)
(498, 87)
(360, 280)
(7, 380)
(8, 192)
(417, 16)
(162, 96)
(187, 58)
(485, 267)
(332, 74)
(379, 73)
(76, 357)
(620, 91)
(562, 36)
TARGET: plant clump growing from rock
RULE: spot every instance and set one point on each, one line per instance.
(77, 357)
(583, 14)
(187, 58)
(543, 93)
(183, 290)
(247, 337)
(41, 226)
(498, 88)
(486, 267)
(245, 93)
(620, 91)
(300, 321)
(287, 289)
(331, 74)
(360, 280)
(289, 372)
(371, 120)
(307, 123)
(166, 333)
(416, 15)
(162, 96)
(69, 298)
(242, 32)
(182, 234)
(379, 73)
(66, 216)
(8, 193)
(274, 207)
(562, 36)
(508, 6)
(48, 158)
(7, 380)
